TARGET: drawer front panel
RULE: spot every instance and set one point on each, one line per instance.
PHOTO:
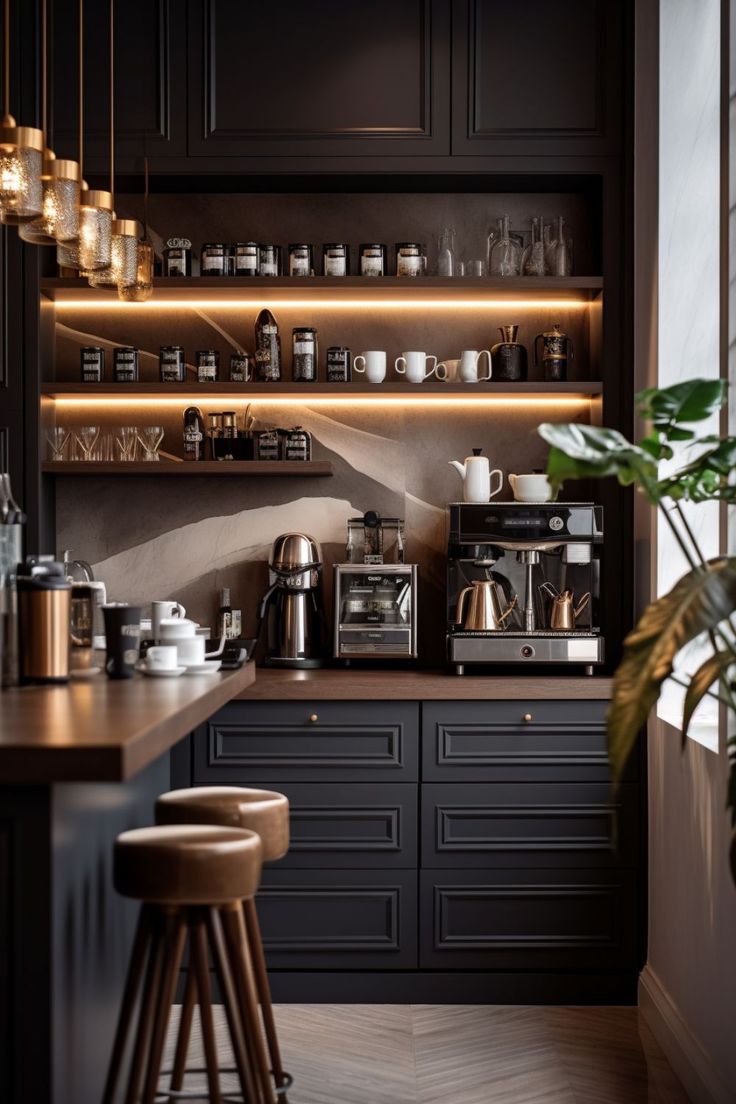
(536, 919)
(334, 919)
(491, 825)
(350, 826)
(491, 741)
(348, 742)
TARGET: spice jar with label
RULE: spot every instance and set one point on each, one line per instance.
(298, 444)
(241, 369)
(410, 260)
(178, 257)
(269, 260)
(171, 364)
(338, 364)
(304, 363)
(301, 260)
(245, 258)
(336, 259)
(373, 259)
(125, 364)
(269, 444)
(208, 365)
(92, 364)
(214, 259)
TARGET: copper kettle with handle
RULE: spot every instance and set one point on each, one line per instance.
(564, 611)
(485, 610)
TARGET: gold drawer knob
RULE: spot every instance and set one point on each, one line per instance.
(528, 718)
(314, 717)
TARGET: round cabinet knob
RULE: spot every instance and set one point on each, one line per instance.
(314, 717)
(528, 718)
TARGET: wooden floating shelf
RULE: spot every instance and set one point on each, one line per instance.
(375, 289)
(302, 393)
(320, 468)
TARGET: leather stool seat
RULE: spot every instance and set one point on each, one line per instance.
(187, 864)
(263, 811)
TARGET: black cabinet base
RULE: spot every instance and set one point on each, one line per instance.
(435, 987)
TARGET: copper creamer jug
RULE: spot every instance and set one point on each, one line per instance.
(564, 611)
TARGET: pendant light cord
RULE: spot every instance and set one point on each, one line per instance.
(145, 199)
(81, 92)
(112, 100)
(44, 79)
(6, 75)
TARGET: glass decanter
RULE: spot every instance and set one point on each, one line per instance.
(533, 262)
(558, 249)
(505, 259)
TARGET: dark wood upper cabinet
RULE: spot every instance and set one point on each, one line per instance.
(322, 78)
(537, 77)
(150, 82)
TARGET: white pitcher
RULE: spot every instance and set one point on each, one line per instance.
(476, 475)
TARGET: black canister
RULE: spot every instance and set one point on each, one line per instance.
(178, 257)
(269, 260)
(338, 364)
(508, 357)
(214, 258)
(372, 259)
(336, 259)
(298, 445)
(92, 364)
(245, 258)
(208, 365)
(304, 362)
(241, 368)
(125, 364)
(171, 364)
(409, 259)
(269, 444)
(557, 347)
(301, 261)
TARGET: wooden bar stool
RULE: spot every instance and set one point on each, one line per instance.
(267, 813)
(191, 880)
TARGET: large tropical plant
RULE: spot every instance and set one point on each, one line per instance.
(697, 468)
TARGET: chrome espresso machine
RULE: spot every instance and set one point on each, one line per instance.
(523, 584)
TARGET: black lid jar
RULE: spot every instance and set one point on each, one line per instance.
(178, 257)
(214, 259)
(92, 363)
(301, 260)
(125, 364)
(245, 258)
(372, 259)
(208, 365)
(269, 260)
(171, 364)
(336, 259)
(410, 259)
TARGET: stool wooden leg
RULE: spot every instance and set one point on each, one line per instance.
(264, 990)
(130, 993)
(235, 1025)
(200, 963)
(145, 1014)
(174, 937)
(185, 1029)
(234, 926)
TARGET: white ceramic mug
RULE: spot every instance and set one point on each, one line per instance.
(162, 657)
(414, 366)
(448, 370)
(468, 367)
(189, 645)
(161, 610)
(374, 365)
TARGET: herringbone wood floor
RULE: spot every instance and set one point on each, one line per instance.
(467, 1054)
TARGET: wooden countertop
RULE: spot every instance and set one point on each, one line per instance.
(354, 684)
(104, 730)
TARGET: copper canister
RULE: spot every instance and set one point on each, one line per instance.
(44, 615)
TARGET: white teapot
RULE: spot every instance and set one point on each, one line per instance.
(476, 475)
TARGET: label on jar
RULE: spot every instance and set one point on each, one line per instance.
(213, 263)
(175, 266)
(268, 268)
(170, 373)
(298, 266)
(239, 369)
(207, 373)
(334, 266)
(371, 264)
(408, 265)
(305, 348)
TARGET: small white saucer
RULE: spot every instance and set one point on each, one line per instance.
(209, 667)
(160, 672)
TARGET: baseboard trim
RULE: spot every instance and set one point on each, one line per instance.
(684, 1052)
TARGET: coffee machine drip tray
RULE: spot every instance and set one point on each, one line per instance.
(536, 647)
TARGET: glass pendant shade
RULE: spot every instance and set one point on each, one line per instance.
(59, 219)
(21, 166)
(142, 288)
(123, 267)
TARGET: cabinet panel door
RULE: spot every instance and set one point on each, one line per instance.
(350, 825)
(347, 742)
(339, 919)
(564, 741)
(289, 78)
(537, 78)
(528, 919)
(150, 82)
(528, 824)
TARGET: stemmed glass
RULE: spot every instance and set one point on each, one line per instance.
(57, 439)
(87, 439)
(126, 438)
(151, 437)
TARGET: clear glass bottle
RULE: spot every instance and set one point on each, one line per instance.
(558, 249)
(505, 252)
(533, 262)
(12, 520)
(446, 253)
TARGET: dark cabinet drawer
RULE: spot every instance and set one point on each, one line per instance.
(562, 741)
(350, 826)
(528, 919)
(498, 825)
(347, 742)
(335, 919)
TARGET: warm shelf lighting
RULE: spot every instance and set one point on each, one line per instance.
(319, 303)
(435, 399)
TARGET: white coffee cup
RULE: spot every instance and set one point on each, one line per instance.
(468, 367)
(162, 657)
(161, 610)
(189, 645)
(448, 370)
(374, 365)
(414, 366)
(534, 487)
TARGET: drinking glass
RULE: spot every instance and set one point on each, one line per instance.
(86, 437)
(150, 438)
(126, 438)
(476, 267)
(57, 439)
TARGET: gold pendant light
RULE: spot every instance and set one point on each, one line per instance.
(142, 288)
(21, 155)
(93, 248)
(122, 269)
(59, 218)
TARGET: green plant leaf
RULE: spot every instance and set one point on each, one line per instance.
(583, 451)
(698, 602)
(714, 668)
(682, 404)
(706, 477)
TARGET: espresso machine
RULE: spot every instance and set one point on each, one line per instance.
(292, 605)
(523, 584)
(375, 593)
